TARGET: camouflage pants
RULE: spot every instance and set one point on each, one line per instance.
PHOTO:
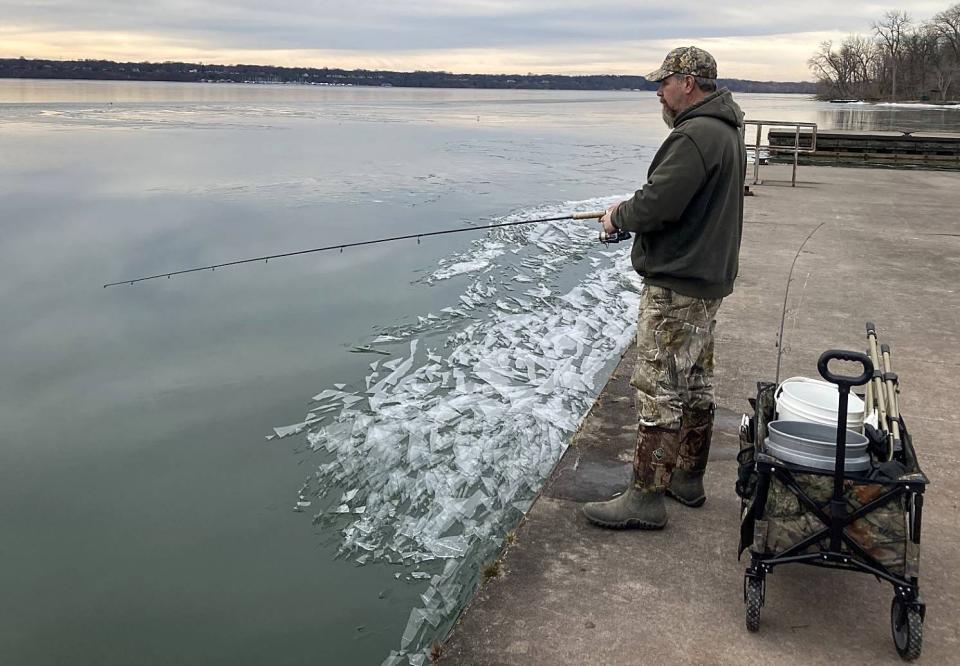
(673, 378)
(674, 370)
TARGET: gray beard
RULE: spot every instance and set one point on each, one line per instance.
(668, 118)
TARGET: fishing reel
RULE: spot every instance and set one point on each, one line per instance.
(615, 237)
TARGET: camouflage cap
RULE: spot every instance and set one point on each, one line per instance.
(685, 60)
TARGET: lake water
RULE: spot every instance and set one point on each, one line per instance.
(309, 461)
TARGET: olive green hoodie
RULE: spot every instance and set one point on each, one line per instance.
(689, 216)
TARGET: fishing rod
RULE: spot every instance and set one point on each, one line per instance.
(786, 294)
(604, 238)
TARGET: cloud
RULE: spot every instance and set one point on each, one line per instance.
(770, 41)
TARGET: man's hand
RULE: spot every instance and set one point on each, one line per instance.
(607, 221)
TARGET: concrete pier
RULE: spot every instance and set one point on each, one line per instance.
(571, 593)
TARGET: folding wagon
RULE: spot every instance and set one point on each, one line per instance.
(867, 521)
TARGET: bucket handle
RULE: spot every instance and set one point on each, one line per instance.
(798, 379)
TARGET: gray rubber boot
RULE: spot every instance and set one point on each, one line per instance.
(635, 508)
(687, 488)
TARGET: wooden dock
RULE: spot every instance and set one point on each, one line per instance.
(938, 149)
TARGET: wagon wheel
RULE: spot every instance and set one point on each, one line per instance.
(906, 624)
(753, 597)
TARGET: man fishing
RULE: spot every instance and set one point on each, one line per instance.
(688, 220)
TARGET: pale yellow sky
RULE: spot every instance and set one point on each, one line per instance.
(769, 57)
(770, 41)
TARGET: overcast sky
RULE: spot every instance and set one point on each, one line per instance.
(765, 41)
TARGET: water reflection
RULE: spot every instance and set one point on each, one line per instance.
(134, 419)
(880, 118)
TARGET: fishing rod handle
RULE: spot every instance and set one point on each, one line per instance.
(593, 215)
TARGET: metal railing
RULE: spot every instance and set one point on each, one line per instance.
(796, 149)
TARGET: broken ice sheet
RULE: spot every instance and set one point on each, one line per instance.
(538, 292)
(450, 447)
(327, 394)
(417, 617)
(452, 546)
(349, 400)
(367, 349)
(287, 431)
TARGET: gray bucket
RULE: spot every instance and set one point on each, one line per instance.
(814, 445)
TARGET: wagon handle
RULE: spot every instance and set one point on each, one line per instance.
(844, 382)
(838, 505)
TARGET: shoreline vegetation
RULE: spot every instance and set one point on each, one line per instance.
(107, 70)
(900, 60)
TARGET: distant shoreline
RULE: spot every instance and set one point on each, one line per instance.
(185, 72)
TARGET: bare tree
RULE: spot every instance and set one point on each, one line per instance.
(945, 62)
(921, 49)
(845, 71)
(891, 32)
(945, 74)
(862, 54)
(947, 23)
(832, 69)
(901, 59)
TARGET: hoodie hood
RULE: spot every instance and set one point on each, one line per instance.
(718, 104)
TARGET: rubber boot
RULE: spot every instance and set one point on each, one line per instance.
(686, 482)
(641, 504)
(634, 508)
(687, 488)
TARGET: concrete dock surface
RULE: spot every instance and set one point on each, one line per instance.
(888, 251)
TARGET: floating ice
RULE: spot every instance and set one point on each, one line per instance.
(367, 349)
(484, 252)
(541, 292)
(916, 105)
(450, 447)
(326, 394)
(287, 431)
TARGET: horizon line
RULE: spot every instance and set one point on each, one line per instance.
(392, 71)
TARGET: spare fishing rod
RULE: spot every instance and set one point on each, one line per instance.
(786, 294)
(604, 238)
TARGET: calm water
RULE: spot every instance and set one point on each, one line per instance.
(151, 512)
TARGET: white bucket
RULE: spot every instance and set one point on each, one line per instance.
(816, 401)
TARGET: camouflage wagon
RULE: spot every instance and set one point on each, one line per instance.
(864, 521)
